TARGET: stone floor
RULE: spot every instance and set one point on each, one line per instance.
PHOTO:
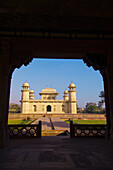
(52, 153)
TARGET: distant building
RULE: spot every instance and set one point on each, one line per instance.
(48, 102)
(83, 109)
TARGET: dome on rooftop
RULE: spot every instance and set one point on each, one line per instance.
(26, 84)
(65, 92)
(72, 85)
(31, 91)
(48, 90)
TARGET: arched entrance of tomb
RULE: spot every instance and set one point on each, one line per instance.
(48, 108)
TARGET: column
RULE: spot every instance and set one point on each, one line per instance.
(5, 78)
(109, 100)
(9, 60)
(103, 63)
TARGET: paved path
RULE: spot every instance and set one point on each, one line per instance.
(51, 153)
(57, 123)
(45, 123)
(60, 124)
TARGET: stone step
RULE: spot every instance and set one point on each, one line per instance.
(55, 133)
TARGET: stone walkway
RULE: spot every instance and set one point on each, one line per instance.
(60, 124)
(57, 123)
(56, 153)
(45, 123)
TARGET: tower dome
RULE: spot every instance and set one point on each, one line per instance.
(31, 94)
(25, 84)
(66, 96)
(31, 91)
(65, 92)
(72, 85)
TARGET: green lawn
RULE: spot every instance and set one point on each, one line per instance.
(88, 121)
(16, 121)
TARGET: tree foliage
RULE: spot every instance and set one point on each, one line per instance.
(102, 96)
(100, 104)
(14, 108)
(91, 107)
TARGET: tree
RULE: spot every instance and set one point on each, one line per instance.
(100, 104)
(14, 108)
(91, 107)
(102, 101)
(102, 96)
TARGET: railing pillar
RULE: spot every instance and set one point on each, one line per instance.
(71, 129)
(39, 130)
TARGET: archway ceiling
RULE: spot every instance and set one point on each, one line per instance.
(57, 15)
(57, 29)
(56, 48)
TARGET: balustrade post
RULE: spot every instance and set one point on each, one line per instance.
(71, 129)
(39, 129)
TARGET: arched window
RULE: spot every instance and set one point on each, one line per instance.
(48, 108)
(35, 108)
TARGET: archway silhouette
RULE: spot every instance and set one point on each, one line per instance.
(48, 108)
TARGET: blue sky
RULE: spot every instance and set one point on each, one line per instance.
(58, 73)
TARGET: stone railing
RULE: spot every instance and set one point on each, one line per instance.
(80, 130)
(25, 131)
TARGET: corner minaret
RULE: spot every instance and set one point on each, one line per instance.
(66, 96)
(72, 99)
(31, 94)
(25, 98)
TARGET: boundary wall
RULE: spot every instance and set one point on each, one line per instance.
(62, 116)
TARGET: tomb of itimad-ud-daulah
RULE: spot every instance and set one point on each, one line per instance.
(48, 102)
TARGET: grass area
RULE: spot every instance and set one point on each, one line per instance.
(18, 121)
(88, 121)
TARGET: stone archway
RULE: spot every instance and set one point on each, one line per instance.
(18, 51)
(48, 108)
